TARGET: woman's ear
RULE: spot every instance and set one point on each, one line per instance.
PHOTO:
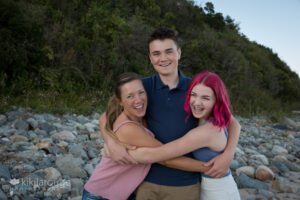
(119, 102)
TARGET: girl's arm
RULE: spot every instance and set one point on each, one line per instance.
(221, 163)
(194, 139)
(132, 134)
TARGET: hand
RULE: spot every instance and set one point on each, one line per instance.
(140, 155)
(220, 166)
(102, 121)
(118, 152)
(105, 152)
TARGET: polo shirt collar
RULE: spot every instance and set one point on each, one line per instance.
(181, 84)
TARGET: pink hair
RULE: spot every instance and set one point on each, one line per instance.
(221, 114)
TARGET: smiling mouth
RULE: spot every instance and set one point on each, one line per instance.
(165, 65)
(198, 110)
(139, 107)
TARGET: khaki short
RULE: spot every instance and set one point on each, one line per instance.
(151, 191)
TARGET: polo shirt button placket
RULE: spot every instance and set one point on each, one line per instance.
(169, 99)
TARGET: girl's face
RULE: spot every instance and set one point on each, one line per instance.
(202, 101)
(134, 99)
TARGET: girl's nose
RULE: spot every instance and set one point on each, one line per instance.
(198, 101)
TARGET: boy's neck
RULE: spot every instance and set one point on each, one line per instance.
(170, 80)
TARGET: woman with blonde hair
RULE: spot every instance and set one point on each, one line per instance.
(125, 123)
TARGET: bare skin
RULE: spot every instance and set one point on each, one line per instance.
(135, 135)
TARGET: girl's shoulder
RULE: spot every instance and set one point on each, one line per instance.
(209, 128)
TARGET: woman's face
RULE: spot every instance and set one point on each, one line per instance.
(134, 99)
(202, 101)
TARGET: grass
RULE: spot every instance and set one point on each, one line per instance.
(84, 102)
(87, 102)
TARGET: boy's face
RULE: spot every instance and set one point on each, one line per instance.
(164, 56)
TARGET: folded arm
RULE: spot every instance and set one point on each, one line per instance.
(188, 143)
(134, 135)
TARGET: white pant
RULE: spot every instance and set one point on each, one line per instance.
(219, 189)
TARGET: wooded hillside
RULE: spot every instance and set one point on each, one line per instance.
(66, 47)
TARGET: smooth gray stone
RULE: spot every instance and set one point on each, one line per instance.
(2, 195)
(4, 172)
(46, 127)
(245, 181)
(22, 125)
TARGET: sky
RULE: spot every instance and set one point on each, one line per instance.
(272, 23)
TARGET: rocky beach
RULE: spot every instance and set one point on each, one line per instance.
(46, 156)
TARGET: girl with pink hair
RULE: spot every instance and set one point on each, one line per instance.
(207, 100)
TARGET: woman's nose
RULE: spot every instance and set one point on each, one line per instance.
(137, 98)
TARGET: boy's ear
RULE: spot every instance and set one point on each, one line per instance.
(179, 53)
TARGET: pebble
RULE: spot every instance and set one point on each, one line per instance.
(45, 156)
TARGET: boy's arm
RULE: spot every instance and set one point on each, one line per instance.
(117, 151)
(222, 162)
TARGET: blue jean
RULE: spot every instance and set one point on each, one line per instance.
(89, 196)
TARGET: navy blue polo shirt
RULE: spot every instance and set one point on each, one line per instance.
(166, 118)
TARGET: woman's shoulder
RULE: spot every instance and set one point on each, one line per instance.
(123, 123)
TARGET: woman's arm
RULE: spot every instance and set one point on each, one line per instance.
(116, 150)
(134, 135)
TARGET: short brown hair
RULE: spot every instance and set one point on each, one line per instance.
(163, 33)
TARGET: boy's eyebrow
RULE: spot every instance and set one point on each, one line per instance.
(156, 51)
(169, 49)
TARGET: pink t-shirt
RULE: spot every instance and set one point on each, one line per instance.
(114, 181)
